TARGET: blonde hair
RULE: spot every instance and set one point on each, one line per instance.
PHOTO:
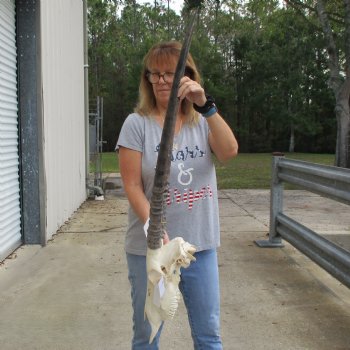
(158, 54)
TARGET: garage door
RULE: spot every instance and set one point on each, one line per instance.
(10, 226)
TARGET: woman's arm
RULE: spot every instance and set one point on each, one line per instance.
(130, 169)
(221, 138)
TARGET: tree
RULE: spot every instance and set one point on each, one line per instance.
(337, 44)
(120, 33)
(271, 73)
(264, 65)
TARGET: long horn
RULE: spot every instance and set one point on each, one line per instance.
(157, 211)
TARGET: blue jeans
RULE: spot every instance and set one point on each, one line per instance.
(199, 286)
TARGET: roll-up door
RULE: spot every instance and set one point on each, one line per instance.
(10, 215)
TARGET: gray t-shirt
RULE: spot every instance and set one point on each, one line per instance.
(192, 203)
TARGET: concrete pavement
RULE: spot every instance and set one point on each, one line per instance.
(74, 293)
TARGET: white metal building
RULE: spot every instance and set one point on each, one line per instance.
(10, 228)
(43, 153)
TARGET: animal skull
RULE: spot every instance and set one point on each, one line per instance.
(163, 270)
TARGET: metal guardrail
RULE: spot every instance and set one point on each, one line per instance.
(328, 181)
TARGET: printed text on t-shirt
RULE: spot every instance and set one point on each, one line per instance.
(188, 196)
(184, 153)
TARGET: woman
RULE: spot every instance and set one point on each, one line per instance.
(192, 204)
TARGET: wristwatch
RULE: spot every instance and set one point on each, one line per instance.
(208, 109)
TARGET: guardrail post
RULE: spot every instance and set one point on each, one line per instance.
(276, 206)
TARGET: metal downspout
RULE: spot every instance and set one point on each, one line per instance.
(96, 189)
(86, 95)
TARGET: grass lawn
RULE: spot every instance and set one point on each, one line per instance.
(246, 171)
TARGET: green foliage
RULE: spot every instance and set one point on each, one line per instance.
(265, 66)
(190, 4)
(253, 171)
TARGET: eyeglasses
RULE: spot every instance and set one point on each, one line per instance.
(154, 78)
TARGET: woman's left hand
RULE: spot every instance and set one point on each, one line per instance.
(191, 90)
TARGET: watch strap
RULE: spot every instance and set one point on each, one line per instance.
(209, 104)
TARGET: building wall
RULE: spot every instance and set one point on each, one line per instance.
(62, 57)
